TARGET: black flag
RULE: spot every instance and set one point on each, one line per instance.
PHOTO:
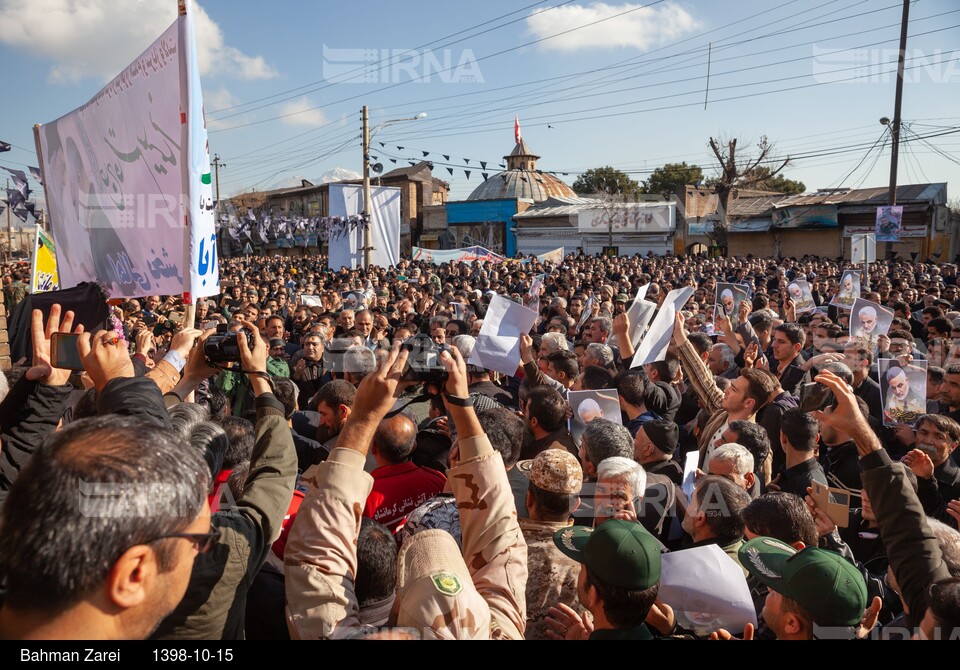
(467, 172)
(4, 147)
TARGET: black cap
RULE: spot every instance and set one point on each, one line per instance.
(664, 434)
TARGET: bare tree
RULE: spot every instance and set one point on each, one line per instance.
(741, 171)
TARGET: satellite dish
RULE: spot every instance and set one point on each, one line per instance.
(377, 167)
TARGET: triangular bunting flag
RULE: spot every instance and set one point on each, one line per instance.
(484, 175)
(450, 170)
(4, 147)
(446, 157)
(483, 164)
(467, 161)
(426, 153)
(36, 175)
(467, 172)
(399, 148)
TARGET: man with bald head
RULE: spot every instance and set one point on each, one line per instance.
(399, 485)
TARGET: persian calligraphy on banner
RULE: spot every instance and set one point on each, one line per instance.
(127, 178)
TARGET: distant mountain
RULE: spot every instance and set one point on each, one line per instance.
(334, 175)
(337, 174)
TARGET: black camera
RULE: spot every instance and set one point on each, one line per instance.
(423, 362)
(223, 347)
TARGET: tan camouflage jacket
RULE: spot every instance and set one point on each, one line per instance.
(320, 557)
(553, 575)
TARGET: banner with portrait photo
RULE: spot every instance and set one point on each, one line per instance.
(355, 300)
(589, 405)
(868, 321)
(728, 299)
(849, 290)
(127, 178)
(799, 292)
(904, 391)
(889, 223)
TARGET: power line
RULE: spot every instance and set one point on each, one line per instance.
(482, 58)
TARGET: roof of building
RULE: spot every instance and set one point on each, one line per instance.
(522, 185)
(419, 172)
(558, 206)
(522, 180)
(907, 194)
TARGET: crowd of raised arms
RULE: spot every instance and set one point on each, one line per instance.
(320, 454)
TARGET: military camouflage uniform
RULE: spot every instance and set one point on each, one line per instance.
(552, 577)
(321, 558)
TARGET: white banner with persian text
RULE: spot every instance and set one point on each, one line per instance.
(127, 178)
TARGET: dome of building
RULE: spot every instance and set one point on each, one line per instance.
(522, 180)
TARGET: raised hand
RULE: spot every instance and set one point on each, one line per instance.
(919, 461)
(564, 623)
(104, 357)
(42, 369)
(724, 634)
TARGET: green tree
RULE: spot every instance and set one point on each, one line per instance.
(762, 179)
(606, 180)
(668, 179)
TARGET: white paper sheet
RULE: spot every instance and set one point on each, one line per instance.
(707, 590)
(498, 344)
(653, 347)
(690, 473)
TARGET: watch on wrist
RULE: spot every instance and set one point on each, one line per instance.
(458, 401)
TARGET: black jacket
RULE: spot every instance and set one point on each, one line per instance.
(912, 549)
(28, 414)
(31, 411)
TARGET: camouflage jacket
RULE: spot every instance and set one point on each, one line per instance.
(552, 576)
(321, 560)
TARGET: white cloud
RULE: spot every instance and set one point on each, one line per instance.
(640, 29)
(301, 113)
(98, 38)
(220, 98)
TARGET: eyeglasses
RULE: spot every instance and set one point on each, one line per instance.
(202, 541)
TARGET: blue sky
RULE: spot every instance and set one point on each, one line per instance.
(284, 82)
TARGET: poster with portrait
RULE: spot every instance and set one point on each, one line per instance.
(799, 292)
(849, 290)
(889, 223)
(868, 320)
(728, 299)
(904, 391)
(354, 300)
(589, 405)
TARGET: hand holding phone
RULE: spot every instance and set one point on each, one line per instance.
(64, 352)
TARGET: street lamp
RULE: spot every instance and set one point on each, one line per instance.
(367, 202)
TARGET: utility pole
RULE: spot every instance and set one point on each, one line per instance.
(367, 204)
(216, 172)
(898, 106)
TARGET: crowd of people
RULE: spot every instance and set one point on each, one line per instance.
(317, 454)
